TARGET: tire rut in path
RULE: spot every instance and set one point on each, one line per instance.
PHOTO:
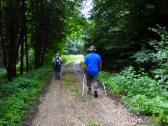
(62, 105)
(51, 107)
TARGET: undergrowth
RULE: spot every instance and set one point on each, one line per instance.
(17, 96)
(141, 94)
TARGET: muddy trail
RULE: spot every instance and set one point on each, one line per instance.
(63, 105)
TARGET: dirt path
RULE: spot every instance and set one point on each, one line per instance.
(63, 105)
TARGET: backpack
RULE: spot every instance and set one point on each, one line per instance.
(57, 61)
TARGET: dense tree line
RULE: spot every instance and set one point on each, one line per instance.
(31, 29)
(134, 33)
(126, 23)
(75, 31)
(28, 28)
(123, 26)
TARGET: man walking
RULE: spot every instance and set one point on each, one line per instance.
(57, 66)
(93, 64)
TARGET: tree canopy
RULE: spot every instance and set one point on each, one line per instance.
(33, 31)
(125, 23)
(31, 27)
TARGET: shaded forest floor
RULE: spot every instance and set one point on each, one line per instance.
(63, 105)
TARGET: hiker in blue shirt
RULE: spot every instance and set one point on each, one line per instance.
(57, 66)
(93, 65)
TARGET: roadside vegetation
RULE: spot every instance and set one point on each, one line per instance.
(31, 33)
(144, 92)
(17, 96)
(141, 94)
(131, 37)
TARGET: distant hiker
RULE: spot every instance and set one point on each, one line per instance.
(57, 66)
(93, 64)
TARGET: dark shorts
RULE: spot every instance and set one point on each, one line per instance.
(92, 81)
(57, 70)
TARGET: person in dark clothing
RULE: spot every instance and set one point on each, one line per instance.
(93, 65)
(57, 67)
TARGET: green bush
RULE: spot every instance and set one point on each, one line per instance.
(127, 82)
(17, 96)
(140, 93)
(158, 56)
(72, 58)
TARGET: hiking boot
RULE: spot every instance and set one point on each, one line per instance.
(95, 94)
(89, 91)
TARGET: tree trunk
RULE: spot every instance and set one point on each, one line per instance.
(22, 54)
(26, 53)
(42, 35)
(22, 36)
(4, 49)
(12, 31)
(37, 33)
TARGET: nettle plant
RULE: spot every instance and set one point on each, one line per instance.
(158, 57)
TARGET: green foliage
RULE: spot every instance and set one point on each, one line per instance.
(124, 23)
(75, 25)
(143, 56)
(93, 124)
(72, 58)
(158, 57)
(140, 93)
(127, 82)
(31, 58)
(3, 75)
(74, 47)
(18, 95)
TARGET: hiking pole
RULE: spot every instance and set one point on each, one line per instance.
(83, 90)
(105, 91)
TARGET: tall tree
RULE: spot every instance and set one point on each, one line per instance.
(125, 23)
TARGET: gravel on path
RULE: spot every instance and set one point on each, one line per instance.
(63, 105)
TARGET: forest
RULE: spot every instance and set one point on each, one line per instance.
(131, 37)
